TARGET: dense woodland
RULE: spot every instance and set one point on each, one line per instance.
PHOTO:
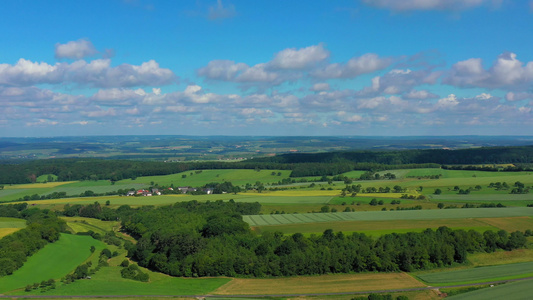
(319, 164)
(211, 239)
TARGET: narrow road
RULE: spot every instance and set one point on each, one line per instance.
(270, 295)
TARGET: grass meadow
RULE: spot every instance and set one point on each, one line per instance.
(54, 261)
(108, 281)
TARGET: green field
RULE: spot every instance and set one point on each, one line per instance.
(108, 281)
(237, 177)
(376, 228)
(12, 223)
(261, 220)
(54, 261)
(480, 274)
(80, 224)
(520, 290)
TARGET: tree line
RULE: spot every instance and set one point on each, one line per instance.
(193, 239)
(301, 164)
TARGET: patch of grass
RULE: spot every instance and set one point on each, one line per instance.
(54, 261)
(80, 224)
(510, 224)
(318, 284)
(518, 270)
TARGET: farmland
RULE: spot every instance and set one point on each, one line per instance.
(53, 261)
(261, 220)
(480, 274)
(10, 225)
(520, 290)
(286, 208)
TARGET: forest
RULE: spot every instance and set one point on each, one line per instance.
(197, 239)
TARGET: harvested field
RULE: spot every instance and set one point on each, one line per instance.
(319, 284)
(510, 224)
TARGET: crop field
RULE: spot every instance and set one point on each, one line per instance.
(485, 197)
(108, 281)
(378, 227)
(520, 290)
(501, 257)
(237, 177)
(510, 224)
(480, 274)
(318, 284)
(55, 260)
(10, 225)
(261, 220)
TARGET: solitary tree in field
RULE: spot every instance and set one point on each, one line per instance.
(437, 192)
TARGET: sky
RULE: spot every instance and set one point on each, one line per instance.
(281, 68)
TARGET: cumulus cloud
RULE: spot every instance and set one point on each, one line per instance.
(511, 96)
(319, 87)
(400, 81)
(219, 11)
(414, 5)
(97, 73)
(356, 66)
(423, 94)
(299, 58)
(506, 72)
(75, 49)
(290, 65)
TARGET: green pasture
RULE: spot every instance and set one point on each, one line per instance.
(262, 220)
(520, 290)
(354, 174)
(12, 223)
(55, 260)
(377, 228)
(108, 281)
(479, 274)
(485, 197)
(237, 177)
(44, 178)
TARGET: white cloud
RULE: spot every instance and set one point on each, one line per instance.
(356, 66)
(423, 94)
(75, 49)
(448, 102)
(225, 70)
(219, 11)
(100, 112)
(413, 5)
(318, 87)
(98, 73)
(506, 72)
(299, 59)
(511, 96)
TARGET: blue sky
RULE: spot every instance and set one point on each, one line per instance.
(358, 67)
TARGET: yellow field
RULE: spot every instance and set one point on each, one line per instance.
(7, 231)
(510, 224)
(101, 199)
(37, 185)
(297, 193)
(319, 284)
